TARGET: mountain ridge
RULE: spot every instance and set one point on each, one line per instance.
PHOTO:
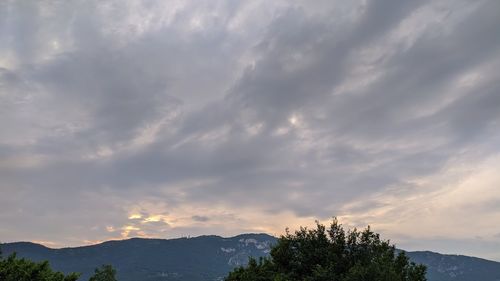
(211, 257)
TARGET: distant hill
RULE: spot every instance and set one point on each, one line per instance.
(456, 268)
(212, 257)
(193, 259)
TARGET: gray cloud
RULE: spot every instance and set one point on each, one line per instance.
(200, 218)
(245, 116)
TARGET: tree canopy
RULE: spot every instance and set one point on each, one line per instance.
(104, 273)
(331, 254)
(13, 268)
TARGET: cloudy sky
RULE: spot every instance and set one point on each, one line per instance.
(173, 118)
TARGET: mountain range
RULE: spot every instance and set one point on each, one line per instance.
(207, 258)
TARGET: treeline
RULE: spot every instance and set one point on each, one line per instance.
(13, 268)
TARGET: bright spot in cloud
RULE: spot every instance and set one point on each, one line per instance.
(135, 216)
(55, 44)
(154, 218)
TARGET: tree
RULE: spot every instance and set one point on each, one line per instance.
(104, 273)
(331, 254)
(13, 268)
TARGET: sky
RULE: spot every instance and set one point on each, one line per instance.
(143, 118)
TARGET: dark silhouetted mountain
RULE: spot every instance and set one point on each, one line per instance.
(456, 267)
(199, 258)
(211, 258)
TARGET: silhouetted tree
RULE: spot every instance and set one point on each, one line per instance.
(104, 273)
(13, 268)
(331, 255)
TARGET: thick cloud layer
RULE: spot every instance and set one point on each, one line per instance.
(169, 118)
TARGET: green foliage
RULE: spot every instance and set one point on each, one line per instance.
(104, 273)
(331, 255)
(19, 269)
